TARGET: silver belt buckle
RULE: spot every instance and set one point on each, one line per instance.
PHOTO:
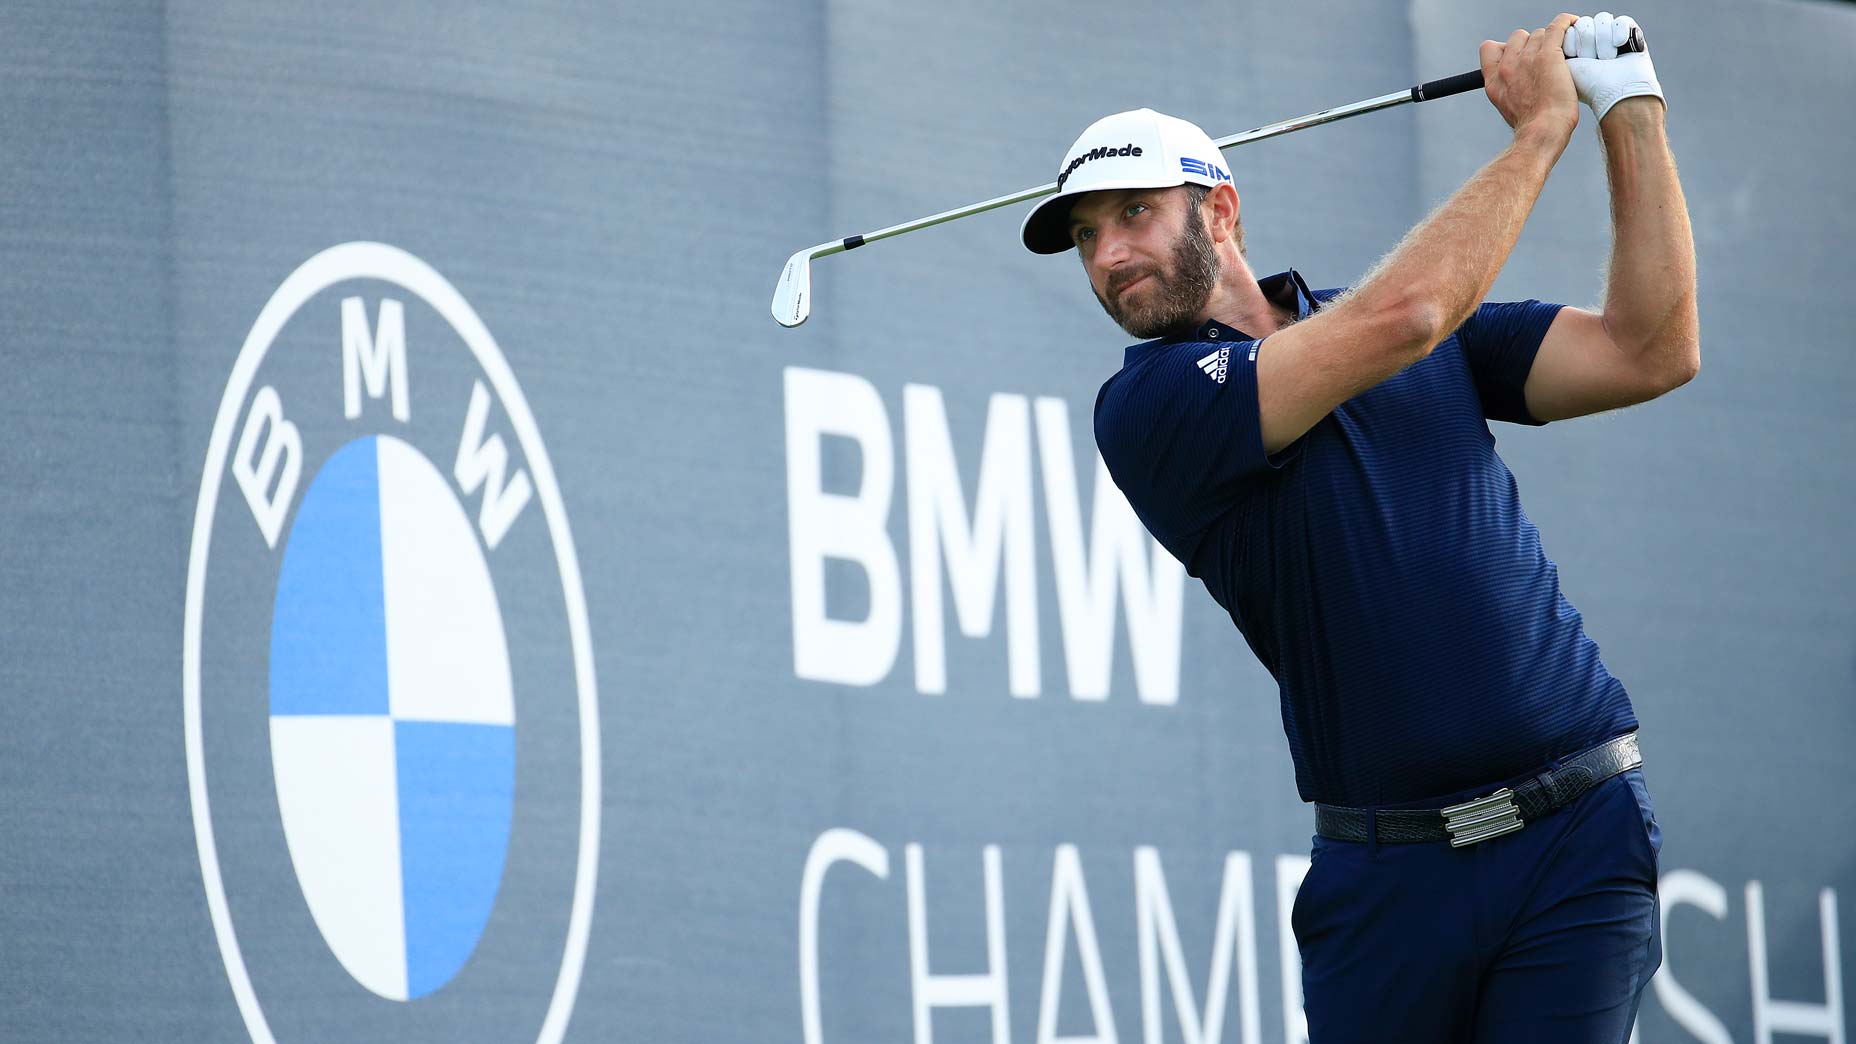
(1476, 821)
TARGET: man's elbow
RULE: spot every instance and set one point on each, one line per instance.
(1687, 362)
(1680, 363)
(1681, 347)
(1409, 326)
(1691, 366)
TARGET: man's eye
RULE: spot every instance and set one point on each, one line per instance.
(1083, 235)
(1134, 209)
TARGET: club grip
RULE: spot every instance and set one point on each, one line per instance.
(1431, 90)
(1472, 80)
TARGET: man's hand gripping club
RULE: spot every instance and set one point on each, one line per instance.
(1529, 82)
(1601, 73)
(1444, 267)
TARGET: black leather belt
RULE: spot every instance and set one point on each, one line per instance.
(1502, 812)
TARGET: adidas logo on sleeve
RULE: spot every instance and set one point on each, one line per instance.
(1217, 363)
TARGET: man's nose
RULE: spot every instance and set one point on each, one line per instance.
(1111, 248)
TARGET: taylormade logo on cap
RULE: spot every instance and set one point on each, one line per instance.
(1157, 151)
(1129, 149)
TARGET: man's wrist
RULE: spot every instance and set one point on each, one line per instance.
(1634, 115)
(1541, 139)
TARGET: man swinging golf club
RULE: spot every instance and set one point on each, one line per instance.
(1485, 861)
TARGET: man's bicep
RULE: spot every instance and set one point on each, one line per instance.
(1579, 370)
(1306, 370)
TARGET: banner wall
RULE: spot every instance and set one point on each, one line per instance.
(442, 605)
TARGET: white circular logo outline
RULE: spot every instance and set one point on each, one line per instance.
(366, 260)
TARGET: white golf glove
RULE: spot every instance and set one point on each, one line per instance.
(1602, 76)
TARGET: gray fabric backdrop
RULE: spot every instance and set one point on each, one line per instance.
(612, 190)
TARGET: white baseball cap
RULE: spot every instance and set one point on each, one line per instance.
(1137, 149)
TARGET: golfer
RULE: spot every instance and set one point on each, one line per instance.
(1484, 866)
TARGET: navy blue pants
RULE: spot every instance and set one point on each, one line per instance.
(1546, 934)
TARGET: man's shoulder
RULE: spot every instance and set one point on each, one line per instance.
(1124, 403)
(1162, 379)
(1168, 359)
(1147, 369)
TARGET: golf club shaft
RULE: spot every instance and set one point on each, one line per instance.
(792, 293)
(1384, 101)
(1430, 90)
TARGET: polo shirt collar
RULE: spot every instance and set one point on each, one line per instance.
(1285, 288)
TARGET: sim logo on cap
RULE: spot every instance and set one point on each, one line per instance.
(1203, 169)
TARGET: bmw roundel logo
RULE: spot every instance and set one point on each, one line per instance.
(390, 709)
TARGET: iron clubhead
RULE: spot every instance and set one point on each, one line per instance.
(792, 295)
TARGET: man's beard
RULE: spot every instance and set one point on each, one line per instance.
(1177, 297)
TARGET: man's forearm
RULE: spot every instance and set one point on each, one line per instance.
(1446, 265)
(1650, 309)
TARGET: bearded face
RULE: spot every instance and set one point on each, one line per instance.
(1153, 299)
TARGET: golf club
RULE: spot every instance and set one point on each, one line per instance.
(792, 295)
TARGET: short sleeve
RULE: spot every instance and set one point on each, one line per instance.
(1180, 433)
(1499, 342)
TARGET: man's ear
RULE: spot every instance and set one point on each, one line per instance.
(1221, 206)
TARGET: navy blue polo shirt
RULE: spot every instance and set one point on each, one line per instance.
(1381, 566)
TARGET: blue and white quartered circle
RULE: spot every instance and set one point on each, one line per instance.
(395, 760)
(386, 611)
